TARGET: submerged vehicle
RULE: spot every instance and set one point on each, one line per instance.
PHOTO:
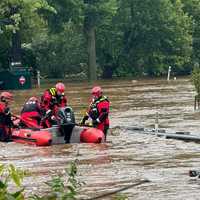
(66, 131)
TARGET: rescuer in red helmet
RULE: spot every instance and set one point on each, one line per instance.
(53, 98)
(5, 116)
(31, 111)
(98, 110)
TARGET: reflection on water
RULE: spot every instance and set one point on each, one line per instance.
(127, 156)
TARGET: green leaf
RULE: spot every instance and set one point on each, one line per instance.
(2, 185)
(18, 194)
(15, 175)
(1, 169)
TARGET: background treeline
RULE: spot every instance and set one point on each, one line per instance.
(132, 37)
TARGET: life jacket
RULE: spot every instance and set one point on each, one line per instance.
(31, 112)
(47, 99)
(94, 111)
(52, 91)
(53, 101)
(57, 100)
(50, 99)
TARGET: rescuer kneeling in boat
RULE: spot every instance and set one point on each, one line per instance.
(51, 100)
(98, 110)
(5, 116)
(31, 112)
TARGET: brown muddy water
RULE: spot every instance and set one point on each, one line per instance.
(127, 156)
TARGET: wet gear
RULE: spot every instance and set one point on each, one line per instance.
(98, 112)
(51, 99)
(31, 111)
(5, 122)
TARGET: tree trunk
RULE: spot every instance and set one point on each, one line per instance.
(92, 68)
(16, 50)
(16, 41)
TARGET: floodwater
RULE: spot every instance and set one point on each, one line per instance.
(127, 156)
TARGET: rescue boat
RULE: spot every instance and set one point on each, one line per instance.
(53, 135)
(33, 137)
(79, 134)
(67, 131)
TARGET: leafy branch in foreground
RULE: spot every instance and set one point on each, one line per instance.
(62, 187)
(59, 190)
(11, 174)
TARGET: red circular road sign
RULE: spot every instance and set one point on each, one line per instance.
(22, 80)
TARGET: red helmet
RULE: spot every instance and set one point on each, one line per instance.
(60, 87)
(97, 91)
(6, 96)
(33, 99)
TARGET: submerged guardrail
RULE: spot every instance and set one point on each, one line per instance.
(179, 135)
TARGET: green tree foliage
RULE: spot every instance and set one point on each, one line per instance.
(84, 16)
(109, 40)
(156, 35)
(21, 16)
(94, 11)
(131, 37)
(22, 13)
(192, 7)
(61, 53)
(4, 50)
(98, 21)
(61, 49)
(67, 11)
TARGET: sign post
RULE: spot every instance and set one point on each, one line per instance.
(169, 71)
(38, 78)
